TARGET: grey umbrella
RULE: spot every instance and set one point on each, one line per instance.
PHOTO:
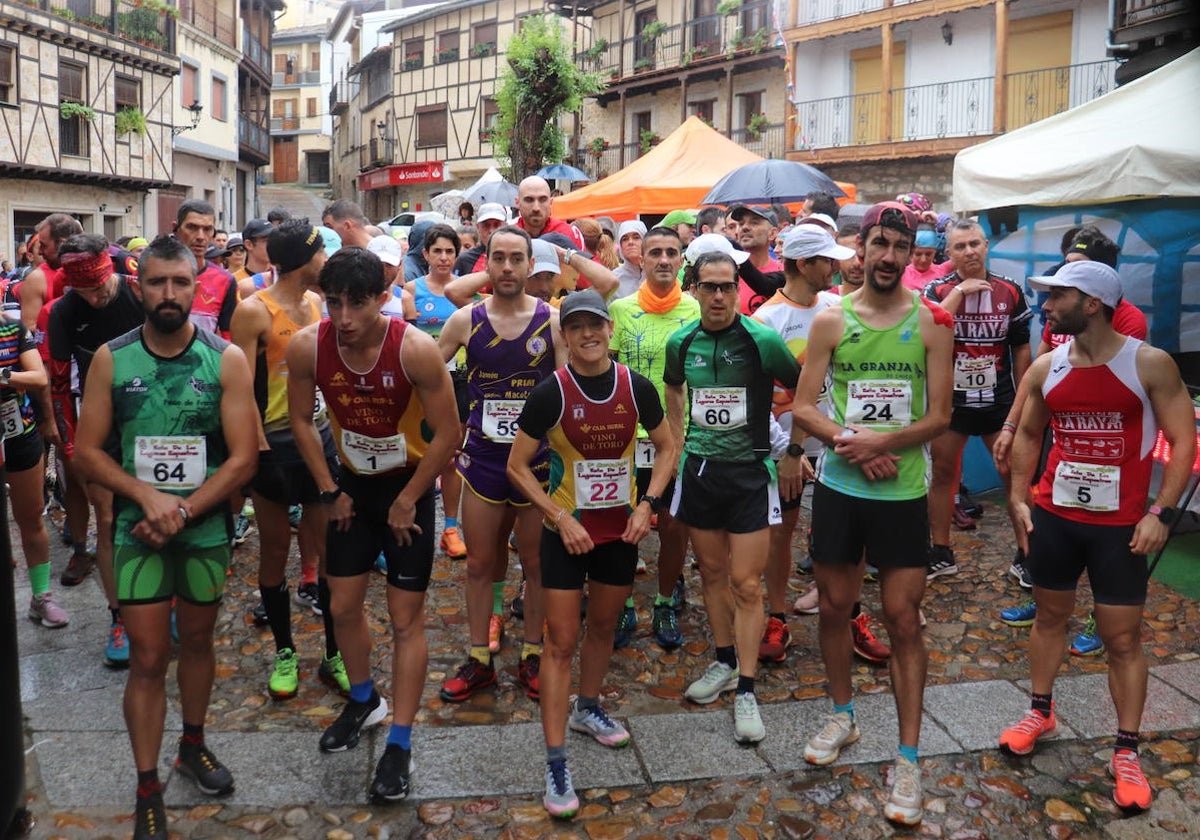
(496, 192)
(771, 180)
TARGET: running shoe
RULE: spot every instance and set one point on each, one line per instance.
(679, 594)
(308, 595)
(471, 677)
(838, 731)
(905, 802)
(594, 721)
(560, 800)
(295, 513)
(391, 775)
(626, 626)
(1022, 737)
(963, 520)
(285, 679)
(150, 818)
(78, 567)
(495, 632)
(259, 614)
(242, 528)
(941, 562)
(971, 507)
(1132, 792)
(116, 652)
(197, 762)
(1088, 642)
(777, 637)
(809, 603)
(866, 644)
(343, 733)
(665, 623)
(716, 679)
(517, 607)
(333, 673)
(44, 609)
(747, 723)
(641, 568)
(453, 545)
(1020, 570)
(870, 574)
(1021, 615)
(527, 675)
(805, 566)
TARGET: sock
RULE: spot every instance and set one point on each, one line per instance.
(1041, 703)
(361, 692)
(779, 616)
(661, 600)
(848, 708)
(1127, 741)
(79, 548)
(629, 602)
(148, 783)
(331, 648)
(39, 578)
(727, 656)
(554, 754)
(481, 654)
(451, 522)
(909, 754)
(193, 734)
(529, 649)
(745, 684)
(401, 736)
(582, 702)
(498, 598)
(279, 614)
(115, 613)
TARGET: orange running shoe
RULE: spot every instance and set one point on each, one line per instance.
(1021, 738)
(495, 632)
(866, 644)
(1132, 791)
(775, 641)
(453, 545)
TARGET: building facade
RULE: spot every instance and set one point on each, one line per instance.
(301, 126)
(254, 101)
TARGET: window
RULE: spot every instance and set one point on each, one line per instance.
(128, 93)
(8, 74)
(219, 107)
(281, 62)
(643, 48)
(754, 17)
(310, 108)
(487, 122)
(705, 28)
(431, 126)
(284, 108)
(447, 46)
(314, 61)
(414, 53)
(641, 122)
(189, 84)
(72, 88)
(483, 39)
(750, 104)
(705, 109)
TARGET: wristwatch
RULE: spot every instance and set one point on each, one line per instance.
(568, 255)
(328, 497)
(5, 375)
(795, 450)
(656, 503)
(1166, 515)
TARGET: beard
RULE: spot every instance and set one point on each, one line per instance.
(883, 285)
(167, 318)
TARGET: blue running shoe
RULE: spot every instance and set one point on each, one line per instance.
(1021, 615)
(626, 624)
(294, 514)
(1088, 642)
(116, 652)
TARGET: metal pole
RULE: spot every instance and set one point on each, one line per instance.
(14, 818)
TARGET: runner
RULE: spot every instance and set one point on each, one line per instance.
(216, 290)
(728, 488)
(889, 356)
(172, 473)
(1104, 396)
(392, 408)
(512, 343)
(590, 412)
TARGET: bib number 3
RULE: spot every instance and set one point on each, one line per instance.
(10, 418)
(171, 463)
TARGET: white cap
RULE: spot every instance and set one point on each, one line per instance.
(491, 212)
(707, 243)
(387, 249)
(1094, 279)
(819, 219)
(631, 226)
(545, 258)
(804, 241)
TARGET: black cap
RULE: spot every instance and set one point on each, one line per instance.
(256, 229)
(215, 252)
(587, 300)
(758, 210)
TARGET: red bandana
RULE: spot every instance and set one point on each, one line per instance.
(85, 270)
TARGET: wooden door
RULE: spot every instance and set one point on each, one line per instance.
(866, 111)
(285, 160)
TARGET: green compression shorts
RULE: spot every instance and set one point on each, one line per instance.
(145, 576)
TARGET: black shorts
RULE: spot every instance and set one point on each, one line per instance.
(612, 563)
(462, 394)
(977, 422)
(736, 497)
(23, 452)
(282, 475)
(643, 485)
(794, 503)
(1060, 550)
(353, 552)
(894, 534)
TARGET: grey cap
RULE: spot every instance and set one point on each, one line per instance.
(587, 300)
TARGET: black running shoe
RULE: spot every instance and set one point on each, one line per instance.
(260, 614)
(198, 763)
(150, 819)
(343, 733)
(391, 775)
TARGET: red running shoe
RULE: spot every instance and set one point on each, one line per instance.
(1021, 738)
(1132, 791)
(472, 676)
(527, 675)
(866, 644)
(775, 641)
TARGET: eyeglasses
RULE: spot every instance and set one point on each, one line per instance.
(707, 288)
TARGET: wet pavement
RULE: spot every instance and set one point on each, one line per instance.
(478, 764)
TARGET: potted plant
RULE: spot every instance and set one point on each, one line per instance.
(755, 125)
(648, 140)
(482, 50)
(68, 110)
(757, 42)
(643, 64)
(596, 50)
(729, 7)
(445, 54)
(598, 146)
(487, 133)
(653, 29)
(130, 120)
(413, 61)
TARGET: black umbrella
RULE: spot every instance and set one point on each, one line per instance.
(765, 181)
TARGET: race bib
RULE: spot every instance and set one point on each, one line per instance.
(368, 455)
(602, 483)
(318, 405)
(974, 374)
(171, 462)
(643, 454)
(719, 408)
(1093, 487)
(879, 403)
(500, 419)
(10, 417)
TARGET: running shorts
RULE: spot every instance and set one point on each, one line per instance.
(1061, 550)
(738, 497)
(894, 534)
(282, 476)
(612, 563)
(147, 576)
(483, 465)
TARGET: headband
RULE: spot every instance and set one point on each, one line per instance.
(300, 252)
(86, 270)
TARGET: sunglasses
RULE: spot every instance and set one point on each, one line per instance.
(707, 288)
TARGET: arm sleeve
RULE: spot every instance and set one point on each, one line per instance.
(645, 397)
(225, 317)
(935, 290)
(762, 283)
(542, 409)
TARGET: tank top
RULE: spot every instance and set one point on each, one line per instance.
(591, 455)
(1104, 431)
(878, 382)
(502, 372)
(433, 310)
(270, 371)
(212, 286)
(378, 422)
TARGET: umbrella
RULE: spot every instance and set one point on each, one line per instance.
(561, 170)
(447, 203)
(496, 192)
(771, 180)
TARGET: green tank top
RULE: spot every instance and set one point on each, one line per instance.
(167, 423)
(878, 382)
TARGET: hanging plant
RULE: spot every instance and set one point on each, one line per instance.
(729, 7)
(596, 50)
(653, 29)
(598, 146)
(130, 121)
(68, 110)
(648, 140)
(756, 124)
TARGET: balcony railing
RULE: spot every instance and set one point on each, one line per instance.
(201, 15)
(255, 51)
(816, 11)
(285, 124)
(768, 141)
(950, 109)
(253, 136)
(1038, 94)
(304, 77)
(123, 18)
(377, 152)
(340, 95)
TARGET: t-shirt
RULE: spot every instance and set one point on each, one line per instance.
(748, 299)
(918, 280)
(77, 329)
(640, 337)
(17, 416)
(216, 298)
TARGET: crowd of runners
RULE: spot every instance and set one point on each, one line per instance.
(333, 381)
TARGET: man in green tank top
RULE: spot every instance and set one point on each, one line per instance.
(889, 358)
(178, 405)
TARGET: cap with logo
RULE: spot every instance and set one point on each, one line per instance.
(587, 300)
(890, 214)
(807, 241)
(1094, 279)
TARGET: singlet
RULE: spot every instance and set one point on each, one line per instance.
(17, 416)
(987, 327)
(378, 422)
(270, 370)
(76, 329)
(731, 377)
(1104, 431)
(175, 450)
(215, 299)
(878, 382)
(501, 373)
(433, 310)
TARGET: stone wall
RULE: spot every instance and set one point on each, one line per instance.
(884, 180)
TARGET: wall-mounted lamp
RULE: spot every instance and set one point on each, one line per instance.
(128, 208)
(103, 207)
(947, 33)
(195, 108)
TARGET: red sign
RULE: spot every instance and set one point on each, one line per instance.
(402, 173)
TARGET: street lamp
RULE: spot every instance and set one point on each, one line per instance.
(947, 33)
(195, 108)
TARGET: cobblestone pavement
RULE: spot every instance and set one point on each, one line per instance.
(1060, 793)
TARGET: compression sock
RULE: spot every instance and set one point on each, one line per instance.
(1126, 741)
(1041, 703)
(498, 598)
(39, 578)
(331, 647)
(361, 692)
(745, 684)
(279, 614)
(909, 754)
